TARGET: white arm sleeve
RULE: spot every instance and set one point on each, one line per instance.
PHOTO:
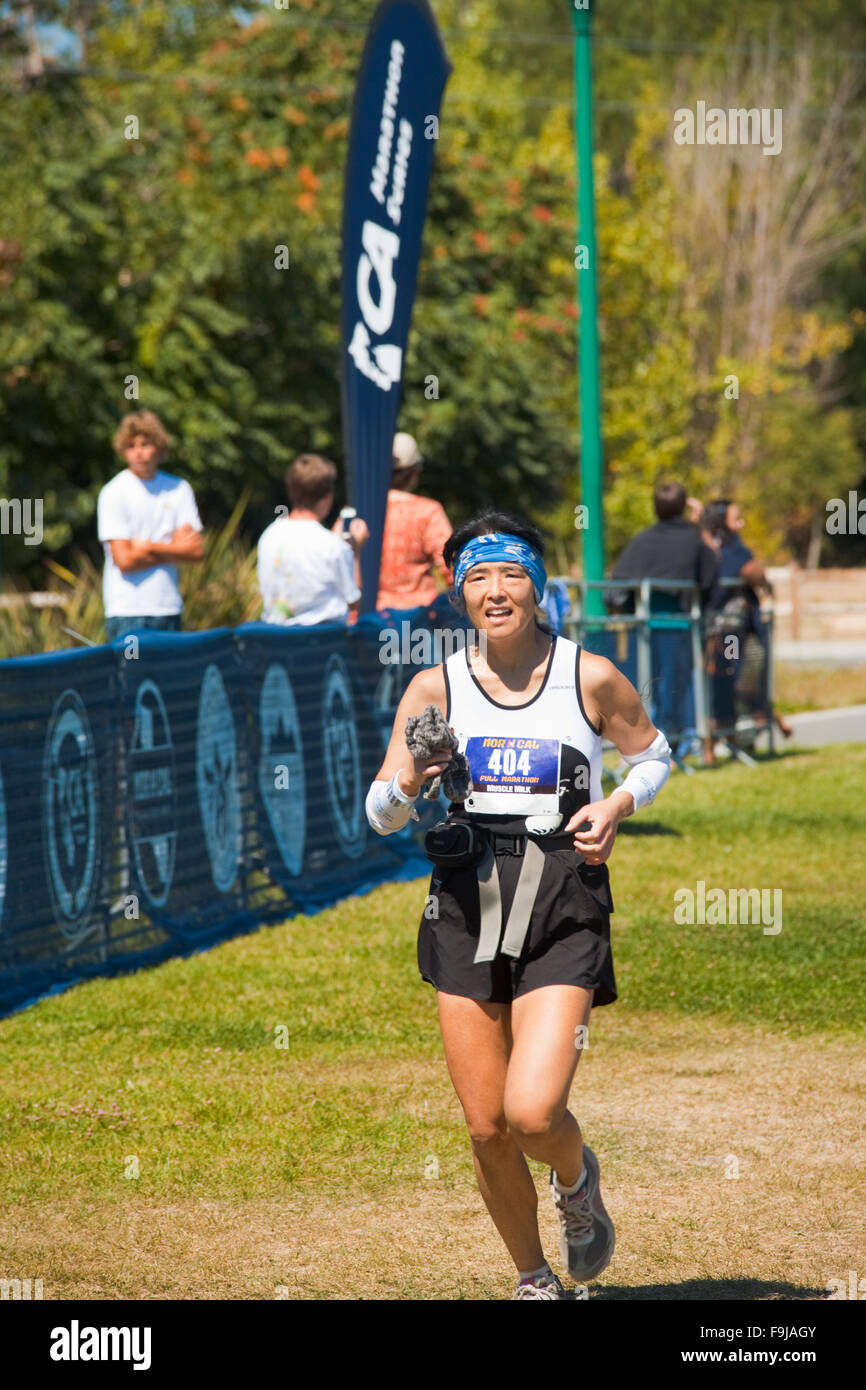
(388, 808)
(649, 772)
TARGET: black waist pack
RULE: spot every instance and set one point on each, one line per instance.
(454, 844)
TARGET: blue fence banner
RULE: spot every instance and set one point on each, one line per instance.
(59, 723)
(395, 116)
(185, 780)
(316, 746)
(167, 791)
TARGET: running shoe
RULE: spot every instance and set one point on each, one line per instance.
(586, 1234)
(542, 1286)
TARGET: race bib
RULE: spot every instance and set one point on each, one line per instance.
(514, 766)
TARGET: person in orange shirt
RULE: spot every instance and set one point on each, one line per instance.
(416, 529)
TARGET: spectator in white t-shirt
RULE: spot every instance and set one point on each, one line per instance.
(148, 523)
(308, 574)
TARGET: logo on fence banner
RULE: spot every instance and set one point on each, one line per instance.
(385, 696)
(342, 763)
(3, 848)
(281, 747)
(70, 810)
(217, 777)
(152, 806)
(390, 689)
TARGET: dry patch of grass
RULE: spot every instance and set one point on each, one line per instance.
(305, 1168)
(805, 687)
(670, 1105)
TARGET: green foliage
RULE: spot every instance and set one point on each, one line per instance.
(149, 253)
(223, 590)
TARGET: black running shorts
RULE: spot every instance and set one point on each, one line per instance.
(568, 941)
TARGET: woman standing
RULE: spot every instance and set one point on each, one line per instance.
(520, 950)
(736, 614)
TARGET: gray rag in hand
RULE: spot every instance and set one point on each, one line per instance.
(425, 734)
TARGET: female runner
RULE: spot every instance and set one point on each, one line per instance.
(520, 950)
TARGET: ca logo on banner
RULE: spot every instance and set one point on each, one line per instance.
(381, 249)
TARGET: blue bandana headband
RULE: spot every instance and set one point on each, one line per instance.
(500, 546)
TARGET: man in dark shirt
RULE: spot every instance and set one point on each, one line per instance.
(672, 549)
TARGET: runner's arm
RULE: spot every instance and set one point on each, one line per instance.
(620, 715)
(399, 779)
(427, 688)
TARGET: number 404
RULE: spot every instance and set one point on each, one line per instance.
(505, 760)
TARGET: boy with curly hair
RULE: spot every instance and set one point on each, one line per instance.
(148, 524)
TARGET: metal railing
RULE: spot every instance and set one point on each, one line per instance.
(632, 641)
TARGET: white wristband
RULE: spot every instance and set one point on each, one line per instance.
(649, 772)
(395, 789)
(388, 807)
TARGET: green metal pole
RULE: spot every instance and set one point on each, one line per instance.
(587, 329)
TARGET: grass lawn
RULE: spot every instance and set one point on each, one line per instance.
(275, 1117)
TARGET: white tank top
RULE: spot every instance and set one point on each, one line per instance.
(540, 760)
